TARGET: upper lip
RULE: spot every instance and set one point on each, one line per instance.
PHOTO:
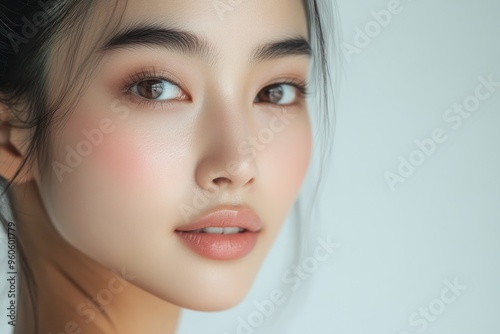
(226, 216)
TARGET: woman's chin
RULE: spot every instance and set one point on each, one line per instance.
(213, 305)
(210, 299)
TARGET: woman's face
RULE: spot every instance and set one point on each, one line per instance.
(169, 130)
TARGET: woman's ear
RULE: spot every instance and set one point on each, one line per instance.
(12, 154)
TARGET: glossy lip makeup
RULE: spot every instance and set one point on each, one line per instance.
(227, 233)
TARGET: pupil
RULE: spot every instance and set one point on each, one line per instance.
(150, 89)
(275, 93)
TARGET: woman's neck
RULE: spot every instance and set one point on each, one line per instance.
(75, 294)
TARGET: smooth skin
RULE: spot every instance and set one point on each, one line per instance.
(104, 232)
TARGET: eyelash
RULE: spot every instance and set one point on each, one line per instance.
(302, 87)
(147, 75)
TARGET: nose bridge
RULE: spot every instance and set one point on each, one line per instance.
(225, 124)
(230, 128)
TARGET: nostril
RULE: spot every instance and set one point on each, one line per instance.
(221, 180)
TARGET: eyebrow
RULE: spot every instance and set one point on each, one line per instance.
(189, 43)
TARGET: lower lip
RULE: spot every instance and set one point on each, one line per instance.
(220, 246)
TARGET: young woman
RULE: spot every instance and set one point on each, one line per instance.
(153, 150)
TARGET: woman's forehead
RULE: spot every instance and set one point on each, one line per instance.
(221, 21)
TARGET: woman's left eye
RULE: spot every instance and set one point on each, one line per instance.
(157, 89)
(282, 94)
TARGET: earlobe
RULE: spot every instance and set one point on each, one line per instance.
(11, 157)
(5, 142)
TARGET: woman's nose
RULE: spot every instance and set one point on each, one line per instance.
(223, 161)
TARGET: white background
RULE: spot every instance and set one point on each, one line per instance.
(397, 248)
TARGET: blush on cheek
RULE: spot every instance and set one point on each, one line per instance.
(295, 169)
(100, 145)
(120, 156)
(292, 161)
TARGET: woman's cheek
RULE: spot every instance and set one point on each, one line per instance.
(283, 164)
(110, 198)
(123, 157)
(292, 153)
(137, 155)
(100, 162)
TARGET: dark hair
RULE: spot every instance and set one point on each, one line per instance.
(28, 32)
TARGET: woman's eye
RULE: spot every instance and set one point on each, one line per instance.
(282, 94)
(157, 89)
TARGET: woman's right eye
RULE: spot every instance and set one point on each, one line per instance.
(158, 90)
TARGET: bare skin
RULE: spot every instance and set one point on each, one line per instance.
(68, 277)
(100, 239)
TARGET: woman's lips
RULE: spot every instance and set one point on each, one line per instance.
(230, 233)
